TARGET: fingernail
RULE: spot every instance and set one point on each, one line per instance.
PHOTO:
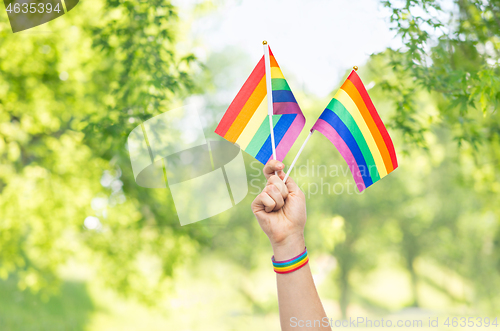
(280, 165)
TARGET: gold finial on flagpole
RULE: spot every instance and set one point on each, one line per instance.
(355, 68)
(264, 42)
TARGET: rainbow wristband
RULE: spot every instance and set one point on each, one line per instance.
(285, 267)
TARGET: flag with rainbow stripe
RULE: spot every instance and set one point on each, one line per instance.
(352, 124)
(246, 122)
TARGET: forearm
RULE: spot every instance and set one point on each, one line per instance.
(281, 211)
(297, 295)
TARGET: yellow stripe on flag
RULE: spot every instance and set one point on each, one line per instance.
(351, 107)
(276, 73)
(253, 125)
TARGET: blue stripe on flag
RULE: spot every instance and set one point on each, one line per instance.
(283, 96)
(331, 118)
(280, 129)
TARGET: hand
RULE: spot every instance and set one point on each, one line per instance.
(281, 212)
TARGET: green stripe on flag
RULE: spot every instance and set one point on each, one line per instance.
(338, 108)
(280, 84)
(261, 136)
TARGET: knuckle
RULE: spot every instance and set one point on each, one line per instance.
(276, 181)
(270, 187)
(274, 188)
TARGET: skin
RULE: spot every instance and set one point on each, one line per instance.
(281, 212)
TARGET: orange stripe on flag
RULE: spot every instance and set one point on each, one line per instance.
(273, 62)
(241, 98)
(350, 89)
(354, 78)
(247, 111)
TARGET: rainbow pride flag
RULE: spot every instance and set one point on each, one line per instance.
(246, 121)
(352, 124)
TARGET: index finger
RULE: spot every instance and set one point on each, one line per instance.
(272, 166)
(292, 186)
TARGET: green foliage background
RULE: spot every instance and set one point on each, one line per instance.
(426, 236)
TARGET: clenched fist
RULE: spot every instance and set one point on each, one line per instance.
(281, 211)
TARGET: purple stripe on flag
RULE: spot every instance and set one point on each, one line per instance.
(290, 136)
(329, 132)
(281, 108)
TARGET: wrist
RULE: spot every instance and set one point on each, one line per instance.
(288, 248)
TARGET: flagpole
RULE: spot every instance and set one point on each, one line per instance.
(355, 68)
(269, 87)
(297, 156)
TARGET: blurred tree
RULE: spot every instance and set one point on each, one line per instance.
(453, 53)
(452, 50)
(68, 100)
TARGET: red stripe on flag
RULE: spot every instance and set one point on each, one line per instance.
(241, 98)
(354, 78)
